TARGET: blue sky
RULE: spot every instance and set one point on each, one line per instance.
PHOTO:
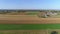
(29, 4)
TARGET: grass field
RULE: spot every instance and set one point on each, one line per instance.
(28, 26)
(32, 13)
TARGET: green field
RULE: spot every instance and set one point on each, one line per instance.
(28, 26)
(32, 13)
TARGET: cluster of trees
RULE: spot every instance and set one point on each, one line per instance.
(10, 11)
(23, 11)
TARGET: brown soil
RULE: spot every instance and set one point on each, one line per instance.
(29, 31)
(23, 31)
(26, 19)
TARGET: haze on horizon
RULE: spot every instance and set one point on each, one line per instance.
(30, 4)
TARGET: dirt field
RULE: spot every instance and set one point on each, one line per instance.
(26, 19)
(28, 31)
(22, 31)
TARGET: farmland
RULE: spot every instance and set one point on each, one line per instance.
(19, 22)
(28, 26)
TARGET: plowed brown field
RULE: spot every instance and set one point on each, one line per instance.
(26, 19)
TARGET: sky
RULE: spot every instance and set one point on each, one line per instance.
(29, 4)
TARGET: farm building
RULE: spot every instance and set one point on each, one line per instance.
(47, 14)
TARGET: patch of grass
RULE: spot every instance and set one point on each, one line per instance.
(32, 13)
(28, 26)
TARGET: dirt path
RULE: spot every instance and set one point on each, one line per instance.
(28, 31)
(23, 32)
